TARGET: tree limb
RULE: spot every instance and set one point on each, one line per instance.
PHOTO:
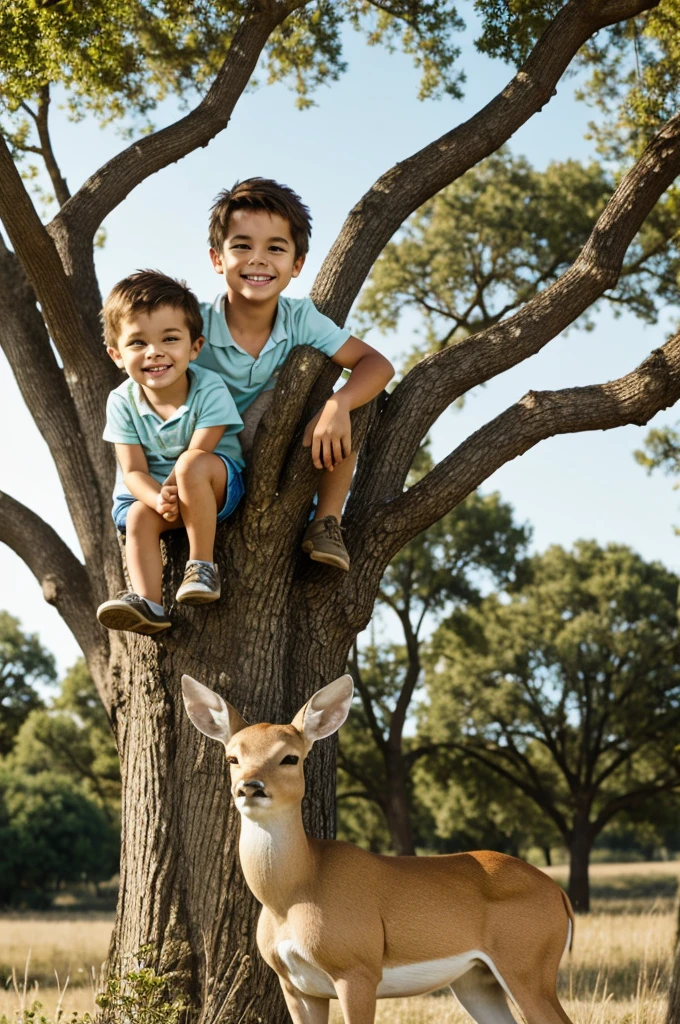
(63, 579)
(635, 798)
(109, 186)
(396, 194)
(87, 365)
(367, 702)
(440, 379)
(539, 796)
(61, 189)
(26, 344)
(634, 398)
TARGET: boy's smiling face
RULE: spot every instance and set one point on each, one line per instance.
(258, 259)
(155, 348)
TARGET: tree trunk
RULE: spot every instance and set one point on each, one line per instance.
(272, 640)
(547, 854)
(397, 805)
(579, 862)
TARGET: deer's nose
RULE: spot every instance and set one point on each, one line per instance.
(251, 787)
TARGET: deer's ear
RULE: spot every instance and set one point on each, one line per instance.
(209, 712)
(325, 711)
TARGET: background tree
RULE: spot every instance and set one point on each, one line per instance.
(473, 808)
(492, 240)
(72, 739)
(441, 569)
(569, 691)
(53, 834)
(282, 629)
(24, 664)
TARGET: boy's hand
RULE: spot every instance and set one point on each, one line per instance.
(167, 502)
(330, 435)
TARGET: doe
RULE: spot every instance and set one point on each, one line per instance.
(339, 922)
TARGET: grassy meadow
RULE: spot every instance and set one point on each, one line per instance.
(618, 972)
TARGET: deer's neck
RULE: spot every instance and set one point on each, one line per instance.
(277, 859)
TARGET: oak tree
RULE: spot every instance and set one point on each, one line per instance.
(568, 691)
(282, 629)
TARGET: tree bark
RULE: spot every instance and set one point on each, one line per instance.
(579, 863)
(181, 887)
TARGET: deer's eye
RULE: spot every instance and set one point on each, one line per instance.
(231, 759)
(290, 759)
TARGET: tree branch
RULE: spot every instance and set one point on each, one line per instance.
(297, 380)
(440, 379)
(366, 700)
(634, 398)
(109, 186)
(88, 367)
(539, 796)
(406, 186)
(61, 189)
(63, 579)
(26, 344)
(634, 798)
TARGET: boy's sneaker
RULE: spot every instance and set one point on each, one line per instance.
(201, 584)
(130, 612)
(323, 543)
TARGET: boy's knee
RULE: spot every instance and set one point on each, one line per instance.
(140, 516)
(193, 463)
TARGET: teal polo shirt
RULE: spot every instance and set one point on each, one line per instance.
(131, 420)
(298, 322)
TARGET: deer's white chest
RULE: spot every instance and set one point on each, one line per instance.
(406, 980)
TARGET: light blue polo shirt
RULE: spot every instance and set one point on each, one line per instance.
(131, 420)
(298, 322)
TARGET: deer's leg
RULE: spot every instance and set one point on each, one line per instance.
(541, 1008)
(479, 993)
(302, 1008)
(357, 998)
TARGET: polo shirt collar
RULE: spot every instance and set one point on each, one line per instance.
(147, 410)
(223, 337)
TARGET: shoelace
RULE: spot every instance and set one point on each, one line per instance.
(201, 574)
(127, 595)
(331, 528)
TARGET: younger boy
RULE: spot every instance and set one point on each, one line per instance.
(174, 426)
(259, 237)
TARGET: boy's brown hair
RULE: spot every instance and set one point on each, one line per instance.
(261, 194)
(143, 292)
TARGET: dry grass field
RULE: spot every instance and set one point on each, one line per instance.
(618, 972)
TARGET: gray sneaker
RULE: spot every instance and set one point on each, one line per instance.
(201, 584)
(130, 612)
(323, 543)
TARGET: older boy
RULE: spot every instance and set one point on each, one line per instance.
(174, 426)
(259, 237)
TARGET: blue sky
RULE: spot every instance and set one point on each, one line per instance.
(568, 487)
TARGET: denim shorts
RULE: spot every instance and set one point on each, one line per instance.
(233, 494)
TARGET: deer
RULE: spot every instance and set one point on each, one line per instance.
(338, 922)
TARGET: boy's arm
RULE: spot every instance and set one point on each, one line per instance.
(329, 432)
(141, 484)
(206, 439)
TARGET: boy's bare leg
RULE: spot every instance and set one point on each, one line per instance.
(143, 529)
(334, 487)
(201, 486)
